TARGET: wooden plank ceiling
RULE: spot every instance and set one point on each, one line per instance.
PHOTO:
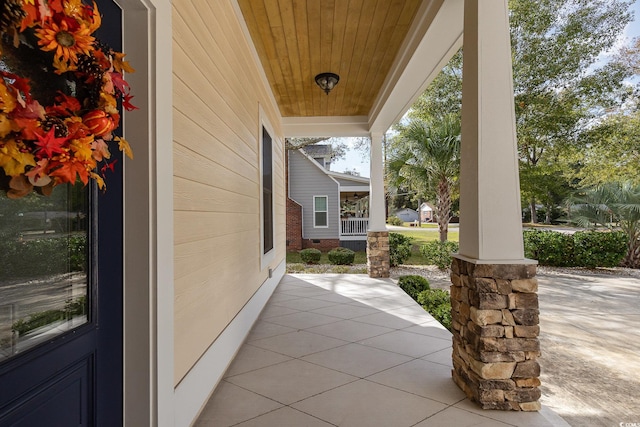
(298, 39)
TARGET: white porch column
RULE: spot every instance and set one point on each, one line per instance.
(377, 214)
(490, 213)
(494, 304)
(377, 236)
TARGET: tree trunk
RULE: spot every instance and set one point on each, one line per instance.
(534, 214)
(547, 218)
(443, 208)
(632, 257)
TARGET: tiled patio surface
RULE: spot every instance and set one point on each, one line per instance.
(347, 350)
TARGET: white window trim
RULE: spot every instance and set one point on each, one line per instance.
(314, 212)
(266, 259)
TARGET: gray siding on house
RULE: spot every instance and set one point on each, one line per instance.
(305, 181)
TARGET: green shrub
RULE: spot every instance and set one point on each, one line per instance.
(341, 256)
(438, 304)
(598, 249)
(413, 284)
(394, 220)
(549, 247)
(399, 248)
(439, 253)
(310, 255)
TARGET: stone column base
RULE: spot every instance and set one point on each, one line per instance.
(494, 310)
(378, 254)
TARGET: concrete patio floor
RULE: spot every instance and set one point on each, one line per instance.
(348, 350)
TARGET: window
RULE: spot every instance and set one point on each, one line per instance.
(267, 192)
(320, 211)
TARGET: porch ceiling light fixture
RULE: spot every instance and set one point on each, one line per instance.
(327, 81)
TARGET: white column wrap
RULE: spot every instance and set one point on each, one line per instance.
(377, 214)
(490, 212)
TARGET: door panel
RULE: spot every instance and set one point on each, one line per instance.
(62, 401)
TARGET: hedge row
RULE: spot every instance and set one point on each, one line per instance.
(581, 249)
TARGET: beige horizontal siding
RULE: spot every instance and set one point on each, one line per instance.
(217, 91)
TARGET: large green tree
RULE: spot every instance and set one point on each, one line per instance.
(426, 158)
(561, 83)
(613, 150)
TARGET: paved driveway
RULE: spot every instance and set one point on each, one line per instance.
(590, 338)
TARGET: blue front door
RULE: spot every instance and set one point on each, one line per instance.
(61, 298)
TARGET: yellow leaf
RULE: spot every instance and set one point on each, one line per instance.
(82, 148)
(73, 8)
(98, 179)
(62, 66)
(6, 126)
(120, 64)
(7, 100)
(12, 160)
(124, 146)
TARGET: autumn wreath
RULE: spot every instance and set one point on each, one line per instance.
(59, 90)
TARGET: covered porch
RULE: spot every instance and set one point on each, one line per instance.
(347, 350)
(354, 214)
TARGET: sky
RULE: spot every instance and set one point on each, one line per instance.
(356, 160)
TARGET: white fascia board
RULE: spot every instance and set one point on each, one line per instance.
(356, 179)
(330, 126)
(435, 36)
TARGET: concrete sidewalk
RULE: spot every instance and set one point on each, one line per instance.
(590, 341)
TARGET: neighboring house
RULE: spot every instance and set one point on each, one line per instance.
(332, 207)
(192, 238)
(426, 213)
(406, 214)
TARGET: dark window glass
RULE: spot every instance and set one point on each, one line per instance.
(320, 211)
(43, 267)
(267, 191)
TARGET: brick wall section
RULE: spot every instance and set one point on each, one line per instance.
(378, 264)
(294, 226)
(495, 329)
(322, 244)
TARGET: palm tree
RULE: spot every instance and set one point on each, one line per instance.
(426, 158)
(614, 204)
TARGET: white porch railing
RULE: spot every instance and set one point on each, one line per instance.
(354, 226)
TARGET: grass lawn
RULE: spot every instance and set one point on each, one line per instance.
(419, 239)
(424, 225)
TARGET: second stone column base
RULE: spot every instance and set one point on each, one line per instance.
(378, 264)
